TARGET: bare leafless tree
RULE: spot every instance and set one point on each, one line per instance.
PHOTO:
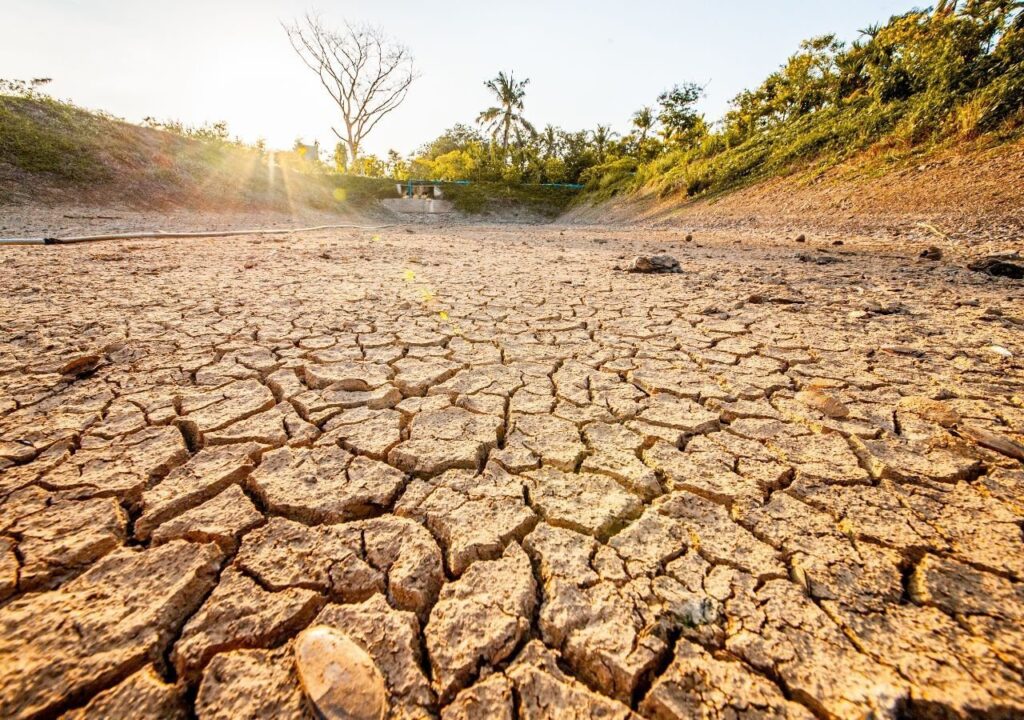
(366, 73)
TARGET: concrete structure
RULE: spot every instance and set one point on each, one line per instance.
(419, 189)
(418, 205)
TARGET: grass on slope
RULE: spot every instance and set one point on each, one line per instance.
(479, 197)
(39, 136)
(923, 80)
(48, 147)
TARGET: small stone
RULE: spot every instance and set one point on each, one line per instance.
(654, 264)
(340, 679)
(81, 365)
(999, 266)
(826, 404)
(931, 253)
(393, 639)
(818, 259)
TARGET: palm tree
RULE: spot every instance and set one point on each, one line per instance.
(506, 117)
(550, 140)
(643, 120)
(602, 136)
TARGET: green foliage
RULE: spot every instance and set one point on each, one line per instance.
(369, 166)
(924, 77)
(512, 151)
(680, 122)
(39, 134)
(60, 148)
(209, 132)
(552, 156)
(454, 165)
(607, 180)
(396, 167)
(360, 191)
(505, 120)
(341, 157)
(479, 197)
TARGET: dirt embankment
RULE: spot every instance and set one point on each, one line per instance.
(53, 154)
(972, 195)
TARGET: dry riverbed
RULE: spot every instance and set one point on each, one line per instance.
(783, 483)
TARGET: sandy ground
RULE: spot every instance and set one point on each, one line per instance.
(780, 484)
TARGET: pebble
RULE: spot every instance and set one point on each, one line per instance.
(338, 677)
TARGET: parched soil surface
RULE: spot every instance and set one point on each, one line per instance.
(785, 483)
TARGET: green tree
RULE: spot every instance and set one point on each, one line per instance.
(396, 167)
(454, 165)
(577, 153)
(555, 170)
(506, 118)
(369, 166)
(550, 141)
(602, 136)
(678, 117)
(644, 120)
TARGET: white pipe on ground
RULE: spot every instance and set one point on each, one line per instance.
(176, 234)
(23, 241)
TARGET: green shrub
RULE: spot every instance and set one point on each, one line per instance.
(925, 77)
(479, 197)
(46, 136)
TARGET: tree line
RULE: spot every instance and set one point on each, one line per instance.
(955, 70)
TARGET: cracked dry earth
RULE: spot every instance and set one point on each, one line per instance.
(528, 485)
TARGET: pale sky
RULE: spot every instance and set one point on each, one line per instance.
(589, 61)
